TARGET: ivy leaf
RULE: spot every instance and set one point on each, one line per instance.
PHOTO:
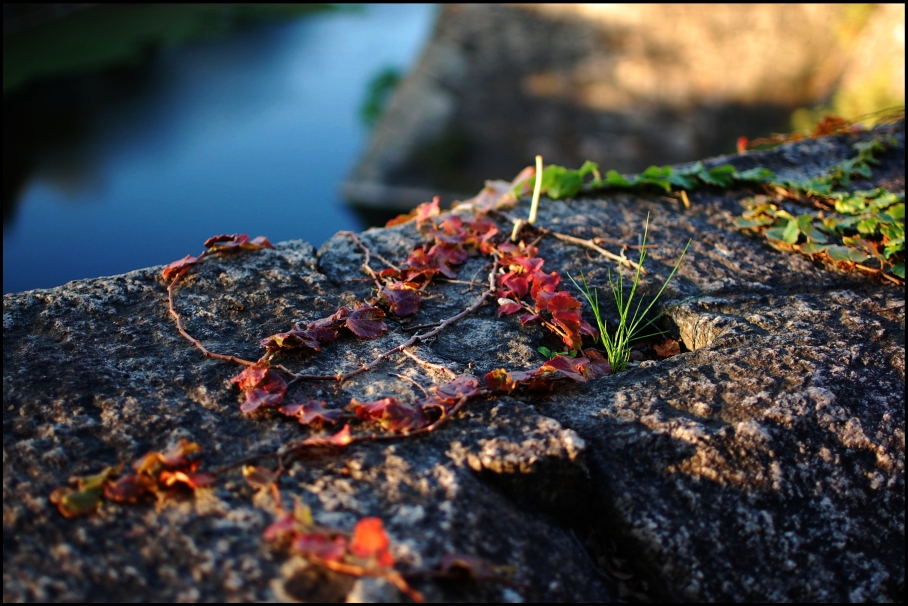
(461, 387)
(293, 339)
(251, 376)
(402, 300)
(129, 488)
(179, 267)
(312, 412)
(898, 269)
(507, 307)
(421, 213)
(656, 176)
(371, 543)
(229, 242)
(192, 480)
(563, 366)
(615, 179)
(390, 413)
(720, 176)
(560, 182)
(320, 546)
(756, 175)
(845, 254)
(85, 498)
(366, 322)
(791, 232)
(341, 438)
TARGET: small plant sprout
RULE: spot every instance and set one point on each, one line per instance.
(631, 327)
(537, 190)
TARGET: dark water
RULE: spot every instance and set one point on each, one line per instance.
(252, 134)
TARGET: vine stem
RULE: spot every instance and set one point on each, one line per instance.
(592, 246)
(190, 338)
(341, 377)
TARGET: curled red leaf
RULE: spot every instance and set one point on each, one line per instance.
(179, 267)
(312, 412)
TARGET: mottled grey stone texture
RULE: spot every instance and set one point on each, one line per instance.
(765, 462)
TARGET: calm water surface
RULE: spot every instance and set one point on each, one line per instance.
(252, 134)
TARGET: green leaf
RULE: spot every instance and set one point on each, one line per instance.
(757, 222)
(588, 168)
(845, 253)
(682, 181)
(868, 226)
(560, 182)
(898, 269)
(720, 176)
(615, 179)
(776, 233)
(791, 232)
(546, 352)
(813, 247)
(756, 175)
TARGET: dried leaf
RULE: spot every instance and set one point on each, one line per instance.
(667, 348)
(461, 387)
(129, 488)
(259, 478)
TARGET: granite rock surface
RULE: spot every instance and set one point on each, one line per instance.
(764, 462)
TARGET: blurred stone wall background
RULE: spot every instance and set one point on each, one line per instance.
(626, 86)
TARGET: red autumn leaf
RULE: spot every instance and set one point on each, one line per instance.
(320, 546)
(258, 243)
(193, 480)
(391, 413)
(461, 387)
(312, 412)
(563, 366)
(446, 255)
(129, 488)
(514, 284)
(229, 242)
(371, 543)
(269, 393)
(366, 323)
(403, 301)
(310, 337)
(451, 231)
(499, 381)
(341, 438)
(251, 376)
(598, 366)
(421, 213)
(178, 267)
(527, 318)
(507, 307)
(742, 144)
(667, 348)
(480, 233)
(569, 323)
